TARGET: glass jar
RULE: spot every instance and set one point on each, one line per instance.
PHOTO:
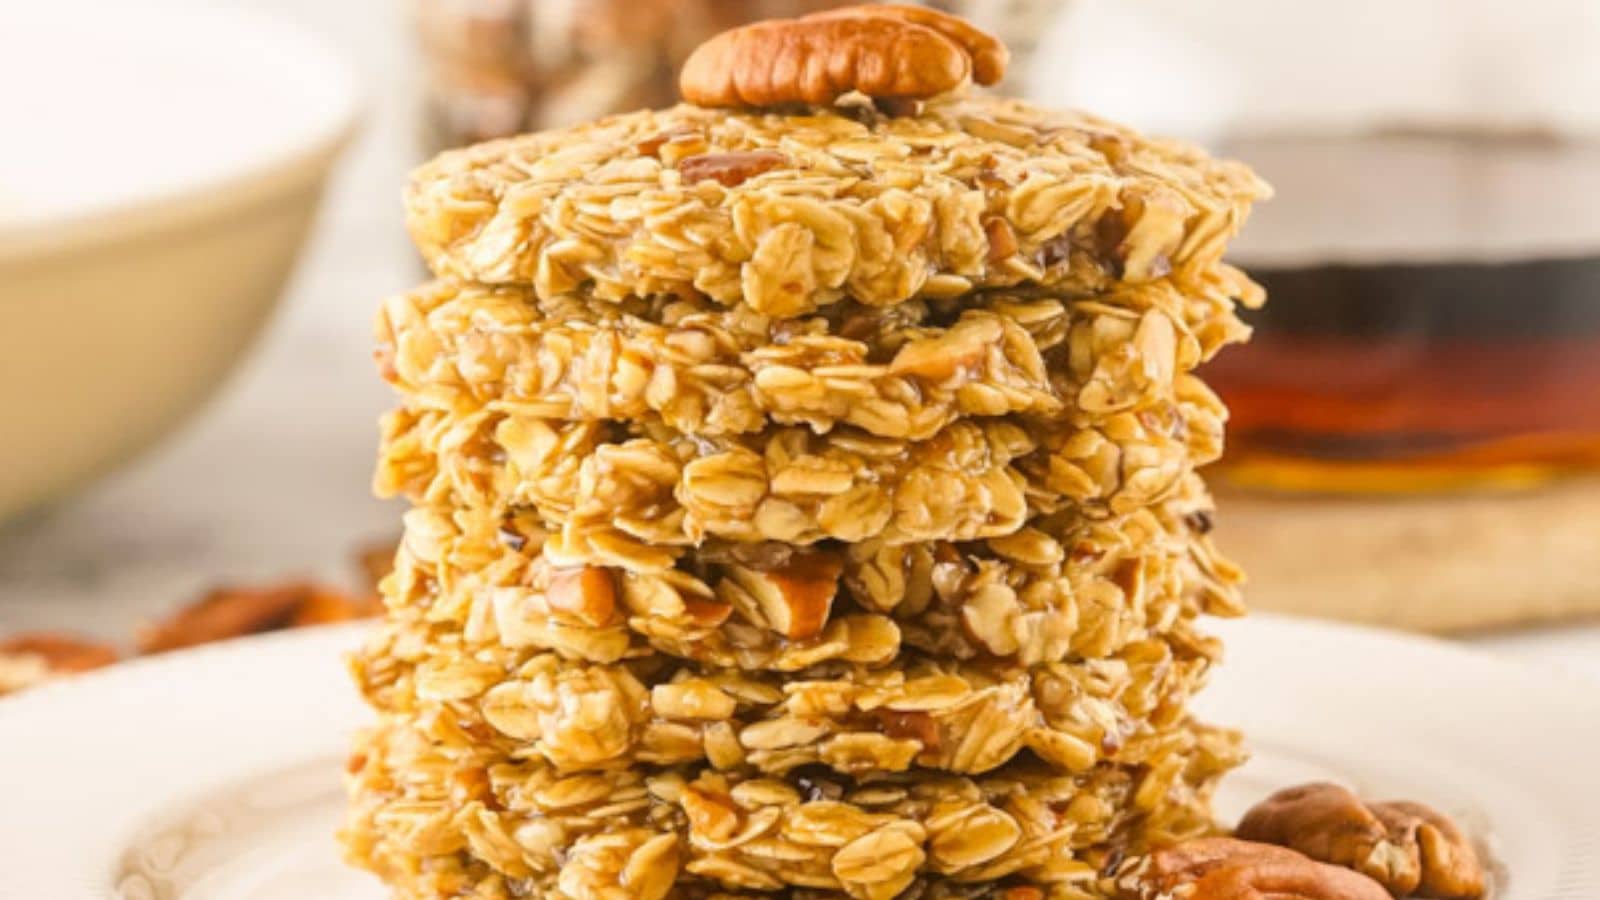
(1434, 320)
(1432, 254)
(1414, 436)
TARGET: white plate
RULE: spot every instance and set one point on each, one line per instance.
(215, 773)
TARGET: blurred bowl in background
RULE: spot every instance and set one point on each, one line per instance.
(161, 173)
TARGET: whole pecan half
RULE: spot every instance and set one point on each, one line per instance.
(989, 56)
(883, 52)
(1408, 848)
(1230, 869)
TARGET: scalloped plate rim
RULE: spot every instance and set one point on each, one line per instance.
(112, 752)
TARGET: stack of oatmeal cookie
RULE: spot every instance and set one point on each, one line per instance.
(804, 491)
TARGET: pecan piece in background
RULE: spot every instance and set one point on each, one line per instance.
(60, 652)
(235, 612)
(32, 658)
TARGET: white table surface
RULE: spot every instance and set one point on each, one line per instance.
(272, 479)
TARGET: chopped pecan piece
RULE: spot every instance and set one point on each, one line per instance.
(1002, 239)
(710, 815)
(730, 169)
(958, 349)
(706, 613)
(1409, 848)
(588, 594)
(915, 724)
(796, 598)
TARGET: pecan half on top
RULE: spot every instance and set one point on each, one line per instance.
(885, 52)
(1408, 848)
(989, 56)
(1229, 869)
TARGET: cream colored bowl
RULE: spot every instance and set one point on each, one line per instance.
(159, 174)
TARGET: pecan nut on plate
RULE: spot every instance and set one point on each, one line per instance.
(1230, 869)
(1412, 850)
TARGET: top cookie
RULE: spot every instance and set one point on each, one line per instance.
(793, 207)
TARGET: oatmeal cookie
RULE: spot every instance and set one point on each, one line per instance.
(899, 372)
(968, 193)
(637, 496)
(1061, 588)
(968, 717)
(523, 828)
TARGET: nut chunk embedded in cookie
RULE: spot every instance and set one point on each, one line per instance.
(795, 599)
(1409, 848)
(729, 169)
